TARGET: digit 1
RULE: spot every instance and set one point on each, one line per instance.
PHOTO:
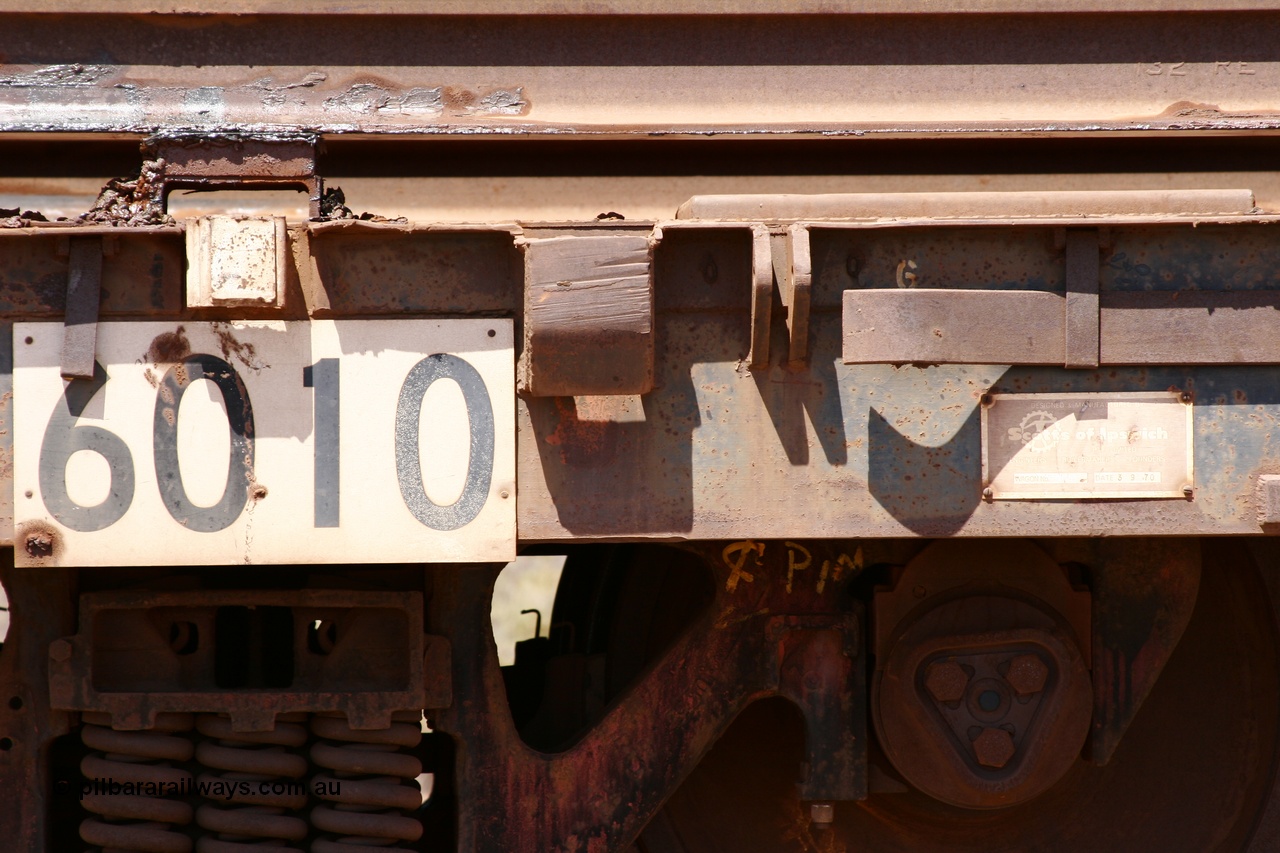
(323, 376)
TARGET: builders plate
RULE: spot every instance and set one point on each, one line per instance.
(1079, 446)
(347, 441)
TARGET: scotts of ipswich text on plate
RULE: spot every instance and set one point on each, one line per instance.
(275, 442)
(1103, 445)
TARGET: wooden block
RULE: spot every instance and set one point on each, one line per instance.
(588, 321)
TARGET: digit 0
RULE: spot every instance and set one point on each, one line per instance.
(235, 495)
(480, 462)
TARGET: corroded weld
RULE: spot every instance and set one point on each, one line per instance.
(58, 75)
(503, 102)
(369, 98)
(136, 201)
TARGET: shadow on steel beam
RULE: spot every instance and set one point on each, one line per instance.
(931, 490)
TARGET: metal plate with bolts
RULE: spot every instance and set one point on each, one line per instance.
(1080, 446)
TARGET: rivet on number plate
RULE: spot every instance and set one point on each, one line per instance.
(1082, 446)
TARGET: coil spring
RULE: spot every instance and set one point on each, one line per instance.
(367, 788)
(246, 817)
(136, 822)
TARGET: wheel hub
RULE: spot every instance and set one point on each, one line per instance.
(984, 698)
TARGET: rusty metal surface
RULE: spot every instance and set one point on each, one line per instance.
(354, 268)
(142, 276)
(938, 326)
(1265, 552)
(1190, 328)
(867, 450)
(1190, 776)
(717, 449)
(215, 161)
(1144, 595)
(640, 74)
(961, 327)
(141, 653)
(877, 449)
(1082, 272)
(42, 608)
(625, 7)
(776, 627)
(781, 207)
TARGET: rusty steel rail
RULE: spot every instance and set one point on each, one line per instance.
(848, 68)
(629, 7)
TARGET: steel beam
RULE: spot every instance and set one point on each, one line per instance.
(976, 67)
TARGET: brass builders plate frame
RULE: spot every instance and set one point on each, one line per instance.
(1084, 446)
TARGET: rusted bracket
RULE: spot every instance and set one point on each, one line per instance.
(1143, 594)
(134, 647)
(778, 627)
(43, 607)
(761, 296)
(816, 671)
(588, 322)
(238, 162)
(950, 326)
(1081, 333)
(84, 291)
(793, 276)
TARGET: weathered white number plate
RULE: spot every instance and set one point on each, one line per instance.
(309, 442)
(1104, 445)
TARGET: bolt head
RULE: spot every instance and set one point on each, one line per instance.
(822, 813)
(60, 650)
(946, 681)
(993, 748)
(1027, 675)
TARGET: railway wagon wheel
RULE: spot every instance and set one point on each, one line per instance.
(1194, 772)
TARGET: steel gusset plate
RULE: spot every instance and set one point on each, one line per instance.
(780, 625)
